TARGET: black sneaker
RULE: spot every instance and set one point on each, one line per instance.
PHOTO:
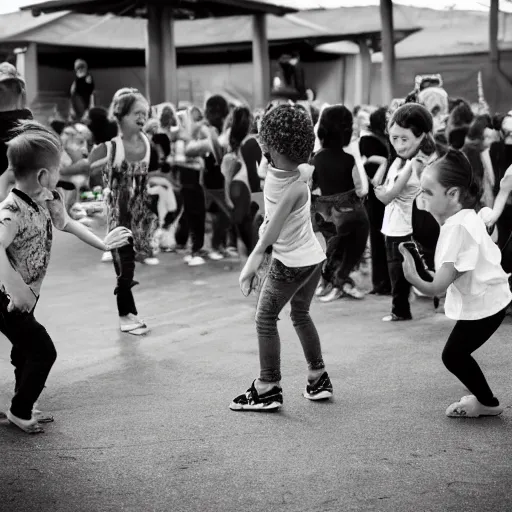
(252, 401)
(320, 390)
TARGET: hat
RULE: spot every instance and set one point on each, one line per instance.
(9, 72)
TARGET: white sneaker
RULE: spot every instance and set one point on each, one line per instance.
(151, 261)
(187, 259)
(333, 295)
(215, 255)
(231, 252)
(352, 291)
(469, 407)
(107, 257)
(195, 261)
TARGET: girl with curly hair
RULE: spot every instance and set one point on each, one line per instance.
(287, 139)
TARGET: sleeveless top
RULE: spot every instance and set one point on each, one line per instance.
(128, 203)
(297, 245)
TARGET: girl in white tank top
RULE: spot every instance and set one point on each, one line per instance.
(287, 139)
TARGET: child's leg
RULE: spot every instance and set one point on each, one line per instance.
(400, 287)
(280, 286)
(304, 326)
(32, 356)
(466, 337)
(124, 264)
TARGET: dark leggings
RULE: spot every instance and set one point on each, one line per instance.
(466, 337)
(400, 287)
(242, 218)
(32, 355)
(193, 218)
(124, 264)
(282, 285)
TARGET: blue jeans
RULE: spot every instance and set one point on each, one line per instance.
(284, 284)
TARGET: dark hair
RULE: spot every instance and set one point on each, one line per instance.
(478, 126)
(378, 120)
(454, 170)
(461, 114)
(335, 127)
(216, 110)
(240, 127)
(289, 131)
(31, 148)
(102, 128)
(457, 136)
(315, 113)
(168, 117)
(414, 117)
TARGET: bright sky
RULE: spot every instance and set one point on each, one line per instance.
(14, 5)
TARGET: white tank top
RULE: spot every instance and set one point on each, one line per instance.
(297, 245)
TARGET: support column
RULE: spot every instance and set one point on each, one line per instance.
(388, 51)
(169, 62)
(260, 61)
(27, 66)
(362, 72)
(154, 65)
(494, 54)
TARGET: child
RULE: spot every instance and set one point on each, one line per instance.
(468, 268)
(125, 165)
(26, 218)
(287, 139)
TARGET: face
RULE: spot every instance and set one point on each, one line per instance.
(81, 71)
(436, 199)
(135, 120)
(406, 144)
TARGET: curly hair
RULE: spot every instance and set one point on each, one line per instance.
(335, 127)
(288, 130)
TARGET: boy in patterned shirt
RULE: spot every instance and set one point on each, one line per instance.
(26, 219)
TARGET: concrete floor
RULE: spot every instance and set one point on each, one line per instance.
(142, 424)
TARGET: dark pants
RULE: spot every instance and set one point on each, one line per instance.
(221, 218)
(380, 274)
(466, 337)
(284, 284)
(124, 264)
(242, 216)
(193, 218)
(33, 354)
(400, 287)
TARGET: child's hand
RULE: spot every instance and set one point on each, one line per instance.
(118, 237)
(22, 300)
(408, 265)
(249, 271)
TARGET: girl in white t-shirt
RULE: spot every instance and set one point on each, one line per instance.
(468, 268)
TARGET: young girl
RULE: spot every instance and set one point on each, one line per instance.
(287, 140)
(125, 162)
(468, 268)
(410, 127)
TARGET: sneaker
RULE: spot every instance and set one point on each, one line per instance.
(187, 258)
(215, 255)
(107, 257)
(151, 261)
(196, 261)
(180, 248)
(252, 401)
(231, 252)
(352, 291)
(395, 318)
(320, 390)
(469, 407)
(333, 295)
(322, 289)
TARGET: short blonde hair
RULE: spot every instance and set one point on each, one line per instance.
(31, 148)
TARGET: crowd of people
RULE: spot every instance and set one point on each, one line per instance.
(298, 191)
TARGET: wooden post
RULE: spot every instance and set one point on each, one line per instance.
(154, 64)
(494, 54)
(169, 63)
(26, 64)
(388, 51)
(260, 61)
(362, 74)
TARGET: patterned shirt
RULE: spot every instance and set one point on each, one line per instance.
(26, 233)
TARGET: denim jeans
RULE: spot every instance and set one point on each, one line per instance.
(284, 284)
(33, 354)
(400, 287)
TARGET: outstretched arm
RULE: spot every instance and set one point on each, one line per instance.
(118, 237)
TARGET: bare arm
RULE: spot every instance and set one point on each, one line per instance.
(381, 171)
(80, 167)
(386, 196)
(443, 278)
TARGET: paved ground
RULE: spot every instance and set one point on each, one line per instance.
(142, 424)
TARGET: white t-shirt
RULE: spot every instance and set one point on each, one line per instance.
(398, 213)
(482, 290)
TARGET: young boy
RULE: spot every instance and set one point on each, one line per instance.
(26, 219)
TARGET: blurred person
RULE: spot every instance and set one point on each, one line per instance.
(82, 90)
